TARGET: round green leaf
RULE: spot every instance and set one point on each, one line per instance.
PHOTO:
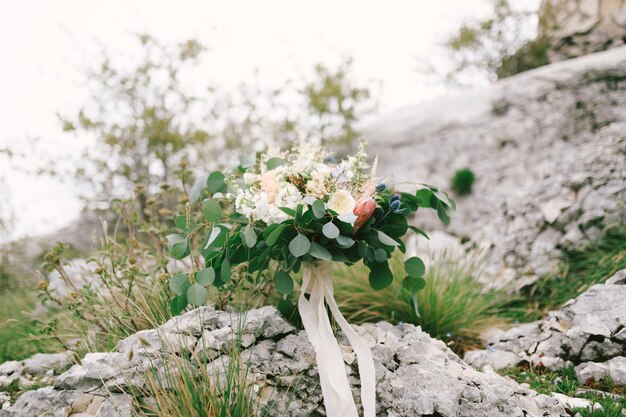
(205, 277)
(319, 209)
(320, 252)
(386, 240)
(299, 245)
(330, 230)
(380, 276)
(178, 304)
(274, 163)
(344, 241)
(197, 294)
(284, 283)
(211, 210)
(215, 182)
(225, 271)
(179, 283)
(414, 267)
(380, 255)
(414, 284)
(180, 250)
(249, 236)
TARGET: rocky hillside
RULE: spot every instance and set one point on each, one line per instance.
(547, 147)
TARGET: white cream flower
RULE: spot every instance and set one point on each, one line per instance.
(249, 178)
(270, 183)
(341, 202)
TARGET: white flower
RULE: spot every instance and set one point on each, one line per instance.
(270, 183)
(342, 202)
(316, 186)
(249, 178)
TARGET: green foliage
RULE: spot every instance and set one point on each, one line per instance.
(452, 305)
(129, 287)
(565, 382)
(531, 55)
(139, 114)
(495, 47)
(337, 103)
(582, 267)
(462, 181)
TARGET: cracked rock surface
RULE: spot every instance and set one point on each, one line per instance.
(416, 375)
(588, 331)
(547, 147)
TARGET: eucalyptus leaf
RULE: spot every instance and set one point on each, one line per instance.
(380, 255)
(179, 283)
(386, 240)
(320, 252)
(211, 210)
(319, 209)
(380, 276)
(344, 241)
(414, 267)
(330, 230)
(273, 237)
(215, 182)
(299, 245)
(205, 277)
(275, 162)
(249, 236)
(414, 284)
(225, 271)
(283, 281)
(178, 304)
(196, 294)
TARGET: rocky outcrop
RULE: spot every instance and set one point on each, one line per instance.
(547, 147)
(38, 369)
(575, 28)
(589, 331)
(416, 375)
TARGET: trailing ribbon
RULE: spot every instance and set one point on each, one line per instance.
(338, 399)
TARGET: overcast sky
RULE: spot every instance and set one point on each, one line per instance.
(43, 44)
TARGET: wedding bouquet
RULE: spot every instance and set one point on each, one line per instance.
(284, 212)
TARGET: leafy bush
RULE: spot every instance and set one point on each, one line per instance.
(453, 306)
(462, 181)
(127, 289)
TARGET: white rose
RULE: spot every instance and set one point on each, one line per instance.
(342, 202)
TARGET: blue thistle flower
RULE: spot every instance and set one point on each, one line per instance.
(395, 197)
(395, 205)
(381, 187)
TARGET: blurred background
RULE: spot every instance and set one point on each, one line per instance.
(112, 114)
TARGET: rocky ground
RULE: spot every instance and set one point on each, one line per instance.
(417, 375)
(548, 148)
(588, 332)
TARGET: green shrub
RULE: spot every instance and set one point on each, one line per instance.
(462, 181)
(453, 306)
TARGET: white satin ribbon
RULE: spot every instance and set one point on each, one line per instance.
(338, 400)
